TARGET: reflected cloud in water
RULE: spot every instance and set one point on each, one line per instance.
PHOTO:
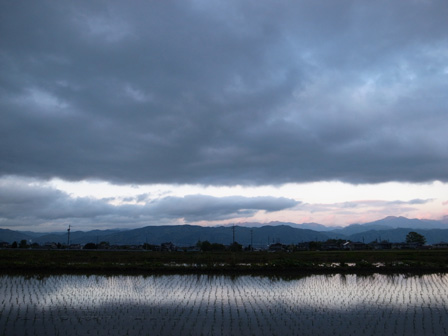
(175, 304)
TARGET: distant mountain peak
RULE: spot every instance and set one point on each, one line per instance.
(392, 217)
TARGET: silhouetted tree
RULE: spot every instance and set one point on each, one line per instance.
(337, 242)
(90, 246)
(217, 247)
(104, 245)
(206, 246)
(151, 247)
(315, 245)
(236, 247)
(414, 237)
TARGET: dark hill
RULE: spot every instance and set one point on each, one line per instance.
(10, 236)
(399, 235)
(185, 235)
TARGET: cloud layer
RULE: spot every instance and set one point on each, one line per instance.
(37, 206)
(30, 204)
(224, 92)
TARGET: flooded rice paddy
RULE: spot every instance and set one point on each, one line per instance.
(222, 305)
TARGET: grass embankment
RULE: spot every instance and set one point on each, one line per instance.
(410, 261)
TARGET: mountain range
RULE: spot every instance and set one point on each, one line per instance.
(393, 229)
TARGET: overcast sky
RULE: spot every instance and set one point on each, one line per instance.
(126, 114)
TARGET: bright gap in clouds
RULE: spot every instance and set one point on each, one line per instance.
(328, 203)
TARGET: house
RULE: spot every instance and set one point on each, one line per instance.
(103, 246)
(50, 246)
(167, 247)
(406, 246)
(303, 246)
(384, 245)
(354, 246)
(441, 245)
(277, 247)
(192, 249)
(330, 246)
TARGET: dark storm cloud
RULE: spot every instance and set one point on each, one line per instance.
(30, 203)
(224, 92)
(36, 201)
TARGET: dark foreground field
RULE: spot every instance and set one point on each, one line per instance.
(412, 261)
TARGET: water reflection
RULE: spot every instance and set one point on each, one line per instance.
(220, 305)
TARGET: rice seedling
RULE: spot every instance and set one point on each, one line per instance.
(219, 305)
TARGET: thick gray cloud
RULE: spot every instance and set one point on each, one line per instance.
(224, 92)
(31, 204)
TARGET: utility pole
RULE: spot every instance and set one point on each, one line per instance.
(68, 236)
(251, 239)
